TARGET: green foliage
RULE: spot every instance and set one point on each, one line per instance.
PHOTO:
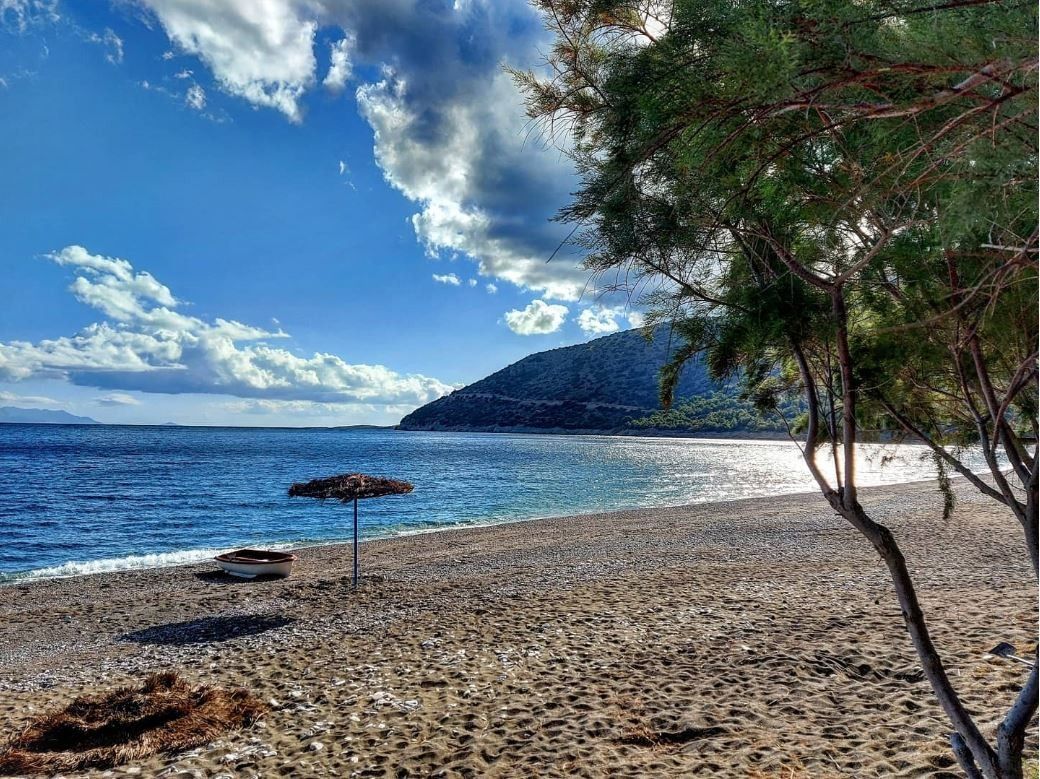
(601, 385)
(832, 201)
(752, 153)
(719, 412)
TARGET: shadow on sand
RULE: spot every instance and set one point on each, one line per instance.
(220, 577)
(207, 630)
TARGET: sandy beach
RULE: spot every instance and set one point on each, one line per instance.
(753, 638)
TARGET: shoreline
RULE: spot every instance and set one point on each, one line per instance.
(764, 627)
(201, 555)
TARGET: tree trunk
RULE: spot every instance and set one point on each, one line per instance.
(969, 745)
(1012, 731)
(1030, 523)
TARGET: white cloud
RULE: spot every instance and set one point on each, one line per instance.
(112, 43)
(491, 288)
(340, 66)
(598, 321)
(449, 178)
(472, 282)
(261, 51)
(602, 320)
(195, 97)
(117, 399)
(34, 401)
(342, 167)
(303, 412)
(310, 408)
(539, 318)
(447, 278)
(449, 125)
(111, 285)
(150, 346)
(19, 14)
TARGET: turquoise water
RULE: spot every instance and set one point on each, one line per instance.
(78, 499)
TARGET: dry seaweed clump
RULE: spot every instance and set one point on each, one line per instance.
(163, 715)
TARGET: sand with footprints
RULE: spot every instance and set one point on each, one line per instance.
(751, 638)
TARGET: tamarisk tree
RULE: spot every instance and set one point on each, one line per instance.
(836, 201)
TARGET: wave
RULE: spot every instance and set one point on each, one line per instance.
(107, 565)
(189, 556)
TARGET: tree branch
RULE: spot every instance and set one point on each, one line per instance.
(1012, 731)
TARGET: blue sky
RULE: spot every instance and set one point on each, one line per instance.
(235, 212)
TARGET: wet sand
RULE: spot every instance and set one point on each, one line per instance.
(754, 638)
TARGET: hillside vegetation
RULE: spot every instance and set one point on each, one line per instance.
(610, 385)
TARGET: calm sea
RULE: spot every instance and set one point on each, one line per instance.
(82, 499)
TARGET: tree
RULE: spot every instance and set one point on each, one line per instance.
(832, 200)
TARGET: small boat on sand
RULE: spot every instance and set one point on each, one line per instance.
(249, 563)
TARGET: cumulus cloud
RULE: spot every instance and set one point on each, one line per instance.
(148, 345)
(491, 288)
(480, 193)
(602, 320)
(260, 51)
(538, 318)
(340, 66)
(448, 124)
(447, 278)
(598, 321)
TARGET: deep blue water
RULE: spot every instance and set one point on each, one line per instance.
(88, 498)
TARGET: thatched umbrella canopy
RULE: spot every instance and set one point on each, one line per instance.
(350, 487)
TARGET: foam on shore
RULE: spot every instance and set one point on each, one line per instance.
(111, 564)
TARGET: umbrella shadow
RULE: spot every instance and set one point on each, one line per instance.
(208, 630)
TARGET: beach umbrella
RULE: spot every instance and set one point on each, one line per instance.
(346, 488)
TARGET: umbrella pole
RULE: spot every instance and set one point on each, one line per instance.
(357, 566)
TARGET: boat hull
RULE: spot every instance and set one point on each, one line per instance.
(250, 563)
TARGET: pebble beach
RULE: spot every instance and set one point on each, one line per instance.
(752, 638)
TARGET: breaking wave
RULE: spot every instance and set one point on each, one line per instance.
(107, 565)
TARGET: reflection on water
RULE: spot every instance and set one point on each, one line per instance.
(111, 497)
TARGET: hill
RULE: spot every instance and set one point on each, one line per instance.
(607, 385)
(42, 416)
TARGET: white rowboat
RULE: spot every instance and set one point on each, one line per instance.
(249, 563)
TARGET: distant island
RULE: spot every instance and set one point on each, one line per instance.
(41, 416)
(608, 385)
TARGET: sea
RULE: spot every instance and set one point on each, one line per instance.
(78, 499)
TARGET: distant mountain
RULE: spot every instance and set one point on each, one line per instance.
(42, 416)
(607, 385)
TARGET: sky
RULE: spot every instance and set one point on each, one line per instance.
(275, 212)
